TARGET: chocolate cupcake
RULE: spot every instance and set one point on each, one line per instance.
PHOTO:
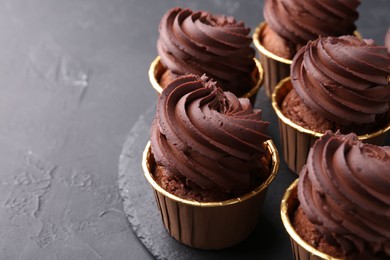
(339, 208)
(209, 158)
(337, 83)
(290, 24)
(203, 43)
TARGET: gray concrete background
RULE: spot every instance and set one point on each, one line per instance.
(73, 82)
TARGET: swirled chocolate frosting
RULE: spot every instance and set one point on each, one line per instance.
(205, 136)
(344, 190)
(203, 43)
(344, 79)
(299, 21)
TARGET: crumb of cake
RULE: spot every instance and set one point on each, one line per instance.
(295, 109)
(178, 188)
(166, 78)
(308, 233)
(276, 44)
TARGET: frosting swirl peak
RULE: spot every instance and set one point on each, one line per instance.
(201, 42)
(205, 136)
(344, 190)
(344, 79)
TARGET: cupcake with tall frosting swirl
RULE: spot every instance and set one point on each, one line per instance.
(209, 157)
(344, 198)
(204, 43)
(206, 141)
(292, 23)
(339, 84)
(343, 81)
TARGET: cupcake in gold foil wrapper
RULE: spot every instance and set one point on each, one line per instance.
(301, 249)
(210, 225)
(275, 67)
(337, 83)
(289, 25)
(297, 140)
(205, 43)
(210, 163)
(337, 207)
(156, 71)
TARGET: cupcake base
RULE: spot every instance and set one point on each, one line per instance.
(301, 249)
(210, 225)
(165, 180)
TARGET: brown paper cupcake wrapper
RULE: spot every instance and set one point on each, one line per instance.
(210, 225)
(301, 249)
(275, 67)
(296, 140)
(156, 70)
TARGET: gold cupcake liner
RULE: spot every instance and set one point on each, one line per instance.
(210, 225)
(275, 67)
(156, 70)
(301, 249)
(297, 140)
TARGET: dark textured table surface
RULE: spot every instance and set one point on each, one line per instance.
(73, 82)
